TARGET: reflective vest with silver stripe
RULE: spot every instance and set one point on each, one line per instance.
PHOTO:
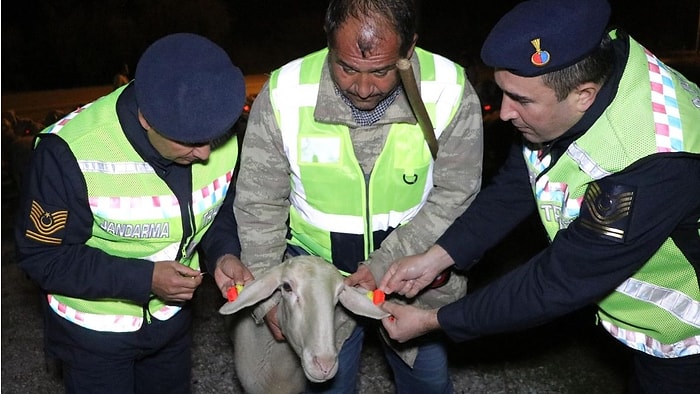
(329, 191)
(136, 215)
(663, 307)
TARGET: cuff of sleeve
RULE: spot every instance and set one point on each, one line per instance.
(452, 321)
(138, 282)
(455, 248)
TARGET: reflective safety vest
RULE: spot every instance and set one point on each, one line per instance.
(329, 192)
(664, 308)
(136, 215)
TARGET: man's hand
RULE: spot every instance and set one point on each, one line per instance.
(362, 277)
(174, 282)
(229, 272)
(411, 274)
(407, 322)
(273, 324)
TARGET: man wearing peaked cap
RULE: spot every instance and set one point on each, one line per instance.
(121, 197)
(611, 151)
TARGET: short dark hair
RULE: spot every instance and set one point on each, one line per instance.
(595, 67)
(400, 14)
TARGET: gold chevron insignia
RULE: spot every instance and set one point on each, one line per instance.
(44, 226)
(607, 211)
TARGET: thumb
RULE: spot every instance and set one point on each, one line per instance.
(391, 280)
(388, 284)
(187, 271)
(389, 307)
(351, 280)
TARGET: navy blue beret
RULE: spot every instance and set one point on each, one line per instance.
(188, 89)
(541, 36)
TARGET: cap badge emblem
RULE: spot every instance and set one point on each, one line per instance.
(540, 57)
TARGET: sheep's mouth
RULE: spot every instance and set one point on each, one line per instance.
(320, 369)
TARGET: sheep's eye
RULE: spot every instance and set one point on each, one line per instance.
(286, 287)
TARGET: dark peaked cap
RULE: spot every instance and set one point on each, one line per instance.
(541, 36)
(188, 89)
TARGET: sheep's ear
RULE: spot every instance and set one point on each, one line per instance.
(255, 291)
(357, 302)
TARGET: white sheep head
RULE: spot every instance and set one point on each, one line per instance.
(310, 288)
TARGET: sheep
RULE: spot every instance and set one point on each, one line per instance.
(306, 290)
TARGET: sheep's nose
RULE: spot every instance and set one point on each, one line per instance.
(327, 366)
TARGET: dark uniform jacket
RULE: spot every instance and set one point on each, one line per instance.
(74, 269)
(570, 273)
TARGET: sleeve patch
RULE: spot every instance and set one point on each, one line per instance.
(44, 226)
(606, 209)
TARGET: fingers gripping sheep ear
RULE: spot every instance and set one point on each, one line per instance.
(310, 289)
(255, 291)
(357, 302)
(354, 299)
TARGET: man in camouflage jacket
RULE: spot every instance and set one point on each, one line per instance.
(358, 99)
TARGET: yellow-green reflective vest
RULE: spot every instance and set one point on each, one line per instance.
(136, 215)
(653, 302)
(329, 192)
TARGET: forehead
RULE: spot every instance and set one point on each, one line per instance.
(526, 87)
(368, 42)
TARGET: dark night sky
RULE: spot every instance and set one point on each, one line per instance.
(49, 44)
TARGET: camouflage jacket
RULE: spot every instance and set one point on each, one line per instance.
(263, 186)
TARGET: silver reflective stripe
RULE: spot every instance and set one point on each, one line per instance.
(348, 223)
(444, 92)
(651, 346)
(676, 303)
(93, 321)
(585, 162)
(126, 167)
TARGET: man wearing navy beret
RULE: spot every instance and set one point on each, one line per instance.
(121, 197)
(610, 160)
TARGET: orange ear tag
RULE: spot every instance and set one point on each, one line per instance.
(232, 292)
(377, 296)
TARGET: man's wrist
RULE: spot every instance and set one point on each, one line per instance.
(439, 257)
(223, 258)
(432, 323)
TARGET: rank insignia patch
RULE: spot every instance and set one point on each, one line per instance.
(46, 227)
(606, 209)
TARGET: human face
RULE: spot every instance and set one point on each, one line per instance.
(365, 77)
(533, 108)
(178, 152)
